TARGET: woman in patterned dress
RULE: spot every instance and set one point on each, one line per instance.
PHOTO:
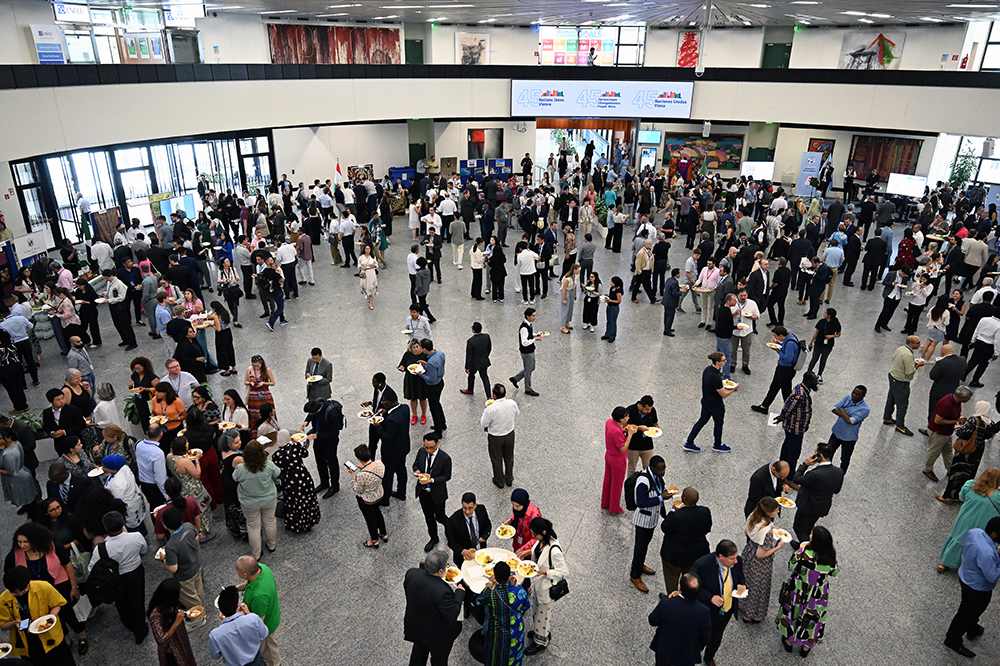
(802, 618)
(188, 471)
(301, 505)
(258, 379)
(505, 604)
(965, 466)
(166, 622)
(758, 559)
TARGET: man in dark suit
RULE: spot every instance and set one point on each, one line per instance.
(317, 366)
(817, 481)
(430, 621)
(852, 253)
(721, 574)
(820, 278)
(872, 263)
(432, 468)
(327, 420)
(671, 301)
(946, 376)
(60, 420)
(394, 431)
(683, 626)
(66, 487)
(812, 231)
(757, 284)
(468, 529)
(684, 541)
(768, 481)
(866, 214)
(380, 392)
(797, 249)
(778, 292)
(551, 243)
(477, 358)
(835, 213)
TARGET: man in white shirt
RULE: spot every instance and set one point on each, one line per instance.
(525, 262)
(117, 293)
(348, 199)
(127, 549)
(498, 422)
(287, 256)
(181, 381)
(347, 226)
(102, 253)
(121, 483)
(411, 270)
(987, 286)
(745, 313)
(432, 219)
(985, 343)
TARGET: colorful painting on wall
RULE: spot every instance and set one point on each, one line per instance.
(337, 45)
(824, 146)
(866, 49)
(885, 154)
(715, 152)
(688, 47)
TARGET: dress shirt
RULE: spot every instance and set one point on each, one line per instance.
(411, 263)
(117, 291)
(420, 328)
(498, 418)
(65, 279)
(286, 254)
(151, 463)
(434, 370)
(473, 524)
(525, 334)
(690, 266)
(978, 296)
(988, 331)
(833, 257)
(857, 411)
(748, 308)
(22, 309)
(122, 485)
(126, 549)
(241, 256)
(163, 316)
(182, 383)
(903, 366)
(980, 567)
(79, 359)
(17, 326)
(237, 640)
(447, 207)
(347, 226)
(708, 278)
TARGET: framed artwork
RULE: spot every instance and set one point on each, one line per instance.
(715, 152)
(472, 48)
(824, 146)
(485, 144)
(156, 46)
(688, 47)
(130, 47)
(144, 47)
(338, 45)
(867, 49)
(886, 154)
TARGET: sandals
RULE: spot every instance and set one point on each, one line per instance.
(370, 544)
(941, 568)
(564, 329)
(945, 500)
(385, 538)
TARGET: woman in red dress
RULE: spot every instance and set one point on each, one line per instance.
(617, 434)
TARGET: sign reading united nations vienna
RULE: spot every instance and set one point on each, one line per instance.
(624, 99)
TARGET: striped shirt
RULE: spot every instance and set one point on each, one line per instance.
(648, 500)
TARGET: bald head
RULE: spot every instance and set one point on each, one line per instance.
(689, 496)
(780, 469)
(947, 350)
(247, 567)
(912, 341)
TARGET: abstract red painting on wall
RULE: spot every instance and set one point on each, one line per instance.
(339, 45)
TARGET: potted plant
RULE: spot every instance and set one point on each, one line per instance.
(34, 421)
(962, 167)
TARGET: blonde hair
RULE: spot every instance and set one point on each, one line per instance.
(987, 482)
(113, 432)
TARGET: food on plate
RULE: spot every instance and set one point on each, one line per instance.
(774, 345)
(484, 558)
(728, 384)
(741, 326)
(315, 378)
(46, 624)
(452, 574)
(505, 532)
(5, 649)
(513, 563)
(415, 368)
(488, 570)
(298, 437)
(674, 489)
(779, 533)
(366, 414)
(748, 315)
(407, 331)
(490, 402)
(741, 590)
(653, 432)
(227, 425)
(544, 334)
(195, 612)
(527, 569)
(424, 477)
(160, 554)
(157, 420)
(678, 504)
(375, 420)
(785, 502)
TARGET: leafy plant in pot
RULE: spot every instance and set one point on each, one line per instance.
(34, 421)
(962, 168)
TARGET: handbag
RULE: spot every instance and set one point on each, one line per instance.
(788, 586)
(967, 445)
(233, 292)
(80, 562)
(557, 590)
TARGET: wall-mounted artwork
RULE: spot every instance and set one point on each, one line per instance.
(338, 45)
(688, 47)
(715, 152)
(885, 154)
(824, 146)
(472, 48)
(866, 49)
(485, 144)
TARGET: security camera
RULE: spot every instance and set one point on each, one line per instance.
(215, 14)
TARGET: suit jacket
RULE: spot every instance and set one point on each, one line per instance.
(818, 282)
(477, 352)
(78, 485)
(440, 474)
(684, 532)
(727, 285)
(431, 616)
(812, 233)
(707, 568)
(853, 249)
(394, 431)
(779, 283)
(817, 487)
(671, 293)
(683, 629)
(835, 213)
(321, 388)
(798, 248)
(459, 538)
(70, 419)
(757, 287)
(947, 375)
(387, 393)
(888, 280)
(762, 484)
(874, 251)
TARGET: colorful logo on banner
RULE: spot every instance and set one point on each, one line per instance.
(569, 46)
(587, 98)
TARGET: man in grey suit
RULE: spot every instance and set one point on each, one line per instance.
(671, 300)
(318, 366)
(477, 358)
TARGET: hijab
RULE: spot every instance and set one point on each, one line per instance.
(982, 410)
(520, 496)
(283, 437)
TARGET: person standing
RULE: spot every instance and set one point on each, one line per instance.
(526, 345)
(126, 549)
(260, 596)
(784, 371)
(346, 235)
(394, 432)
(547, 553)
(650, 494)
(902, 368)
(817, 481)
(430, 621)
(802, 619)
(258, 496)
(721, 573)
(643, 416)
(758, 559)
(498, 421)
(433, 376)
(985, 342)
(117, 295)
(684, 537)
(432, 468)
(708, 280)
(795, 416)
(319, 367)
(851, 411)
(893, 286)
(477, 358)
(683, 626)
(468, 530)
(767, 481)
(821, 276)
(778, 292)
(946, 415)
(965, 465)
(237, 639)
(380, 392)
(672, 297)
(875, 250)
(946, 375)
(745, 313)
(821, 344)
(617, 437)
(713, 392)
(978, 576)
(325, 418)
(183, 559)
(725, 324)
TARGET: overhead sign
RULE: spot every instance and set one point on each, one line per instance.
(606, 99)
(50, 45)
(71, 13)
(182, 15)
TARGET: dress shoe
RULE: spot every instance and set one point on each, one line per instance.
(788, 648)
(976, 384)
(639, 585)
(923, 431)
(668, 334)
(321, 487)
(943, 500)
(400, 496)
(960, 648)
(429, 546)
(530, 392)
(512, 381)
(534, 648)
(646, 571)
(664, 595)
(931, 475)
(975, 632)
(498, 485)
(760, 409)
(465, 392)
(330, 493)
(746, 370)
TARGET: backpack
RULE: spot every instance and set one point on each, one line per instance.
(800, 360)
(104, 582)
(334, 415)
(630, 484)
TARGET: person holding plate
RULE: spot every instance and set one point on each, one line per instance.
(721, 575)
(468, 529)
(319, 367)
(39, 598)
(548, 555)
(758, 559)
(643, 416)
(505, 603)
(524, 512)
(301, 506)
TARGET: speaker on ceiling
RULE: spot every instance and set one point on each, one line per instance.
(706, 128)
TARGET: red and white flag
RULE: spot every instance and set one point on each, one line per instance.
(339, 176)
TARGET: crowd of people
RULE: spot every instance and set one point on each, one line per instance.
(175, 453)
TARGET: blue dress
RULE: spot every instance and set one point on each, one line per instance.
(505, 607)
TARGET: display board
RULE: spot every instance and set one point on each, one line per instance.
(471, 167)
(497, 167)
(571, 46)
(906, 185)
(758, 170)
(601, 99)
(811, 164)
(650, 136)
(989, 172)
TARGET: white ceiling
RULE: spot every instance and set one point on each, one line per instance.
(725, 13)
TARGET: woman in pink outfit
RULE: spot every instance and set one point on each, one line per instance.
(617, 433)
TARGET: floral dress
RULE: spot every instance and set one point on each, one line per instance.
(195, 489)
(965, 466)
(301, 505)
(758, 574)
(802, 619)
(505, 606)
(170, 650)
(369, 279)
(257, 396)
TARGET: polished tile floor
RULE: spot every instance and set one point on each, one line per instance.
(888, 604)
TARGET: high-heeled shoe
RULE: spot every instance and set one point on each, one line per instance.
(804, 652)
(784, 644)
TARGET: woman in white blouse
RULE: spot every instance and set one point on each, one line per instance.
(106, 411)
(548, 555)
(758, 559)
(233, 409)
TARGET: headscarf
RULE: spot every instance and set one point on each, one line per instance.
(520, 496)
(283, 437)
(982, 410)
(114, 462)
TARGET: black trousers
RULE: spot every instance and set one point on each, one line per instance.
(413, 288)
(803, 524)
(93, 323)
(348, 244)
(151, 492)
(820, 353)
(135, 297)
(327, 463)
(715, 412)
(131, 602)
(791, 449)
(424, 309)
(643, 536)
(477, 283)
(780, 381)
(529, 288)
(718, 629)
(869, 275)
(974, 604)
(849, 267)
(123, 322)
(247, 281)
(815, 297)
(848, 450)
(644, 281)
(889, 306)
(394, 467)
(434, 401)
(373, 440)
(27, 355)
(291, 286)
(373, 519)
(433, 514)
(779, 302)
(438, 654)
(982, 354)
(482, 372)
(541, 284)
(912, 318)
(668, 319)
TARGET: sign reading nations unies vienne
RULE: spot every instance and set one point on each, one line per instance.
(608, 99)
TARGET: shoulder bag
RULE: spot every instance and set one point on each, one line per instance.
(557, 590)
(967, 445)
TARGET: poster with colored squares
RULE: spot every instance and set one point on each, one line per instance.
(571, 46)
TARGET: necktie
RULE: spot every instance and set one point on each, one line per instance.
(64, 492)
(473, 532)
(315, 368)
(430, 459)
(727, 591)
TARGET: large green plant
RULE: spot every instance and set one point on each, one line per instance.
(962, 168)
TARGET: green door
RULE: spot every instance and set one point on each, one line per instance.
(776, 56)
(417, 150)
(413, 49)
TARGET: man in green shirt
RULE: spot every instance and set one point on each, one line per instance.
(260, 594)
(901, 370)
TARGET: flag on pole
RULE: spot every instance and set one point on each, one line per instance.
(339, 176)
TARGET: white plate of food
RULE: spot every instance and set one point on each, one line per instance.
(483, 558)
(506, 532)
(157, 510)
(490, 402)
(604, 299)
(5, 649)
(314, 378)
(453, 575)
(160, 555)
(728, 384)
(195, 612)
(375, 420)
(366, 414)
(415, 369)
(227, 425)
(675, 490)
(544, 334)
(740, 592)
(741, 326)
(96, 472)
(527, 569)
(774, 345)
(298, 437)
(100, 300)
(678, 504)
(43, 624)
(157, 420)
(406, 331)
(589, 288)
(653, 432)
(781, 534)
(194, 453)
(785, 502)
(488, 571)
(748, 315)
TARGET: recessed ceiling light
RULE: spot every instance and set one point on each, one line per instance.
(759, 6)
(805, 22)
(403, 7)
(439, 18)
(448, 6)
(231, 7)
(932, 20)
(384, 18)
(866, 21)
(880, 15)
(283, 11)
(855, 13)
(805, 2)
(975, 6)
(597, 0)
(618, 4)
(329, 15)
(747, 23)
(341, 6)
